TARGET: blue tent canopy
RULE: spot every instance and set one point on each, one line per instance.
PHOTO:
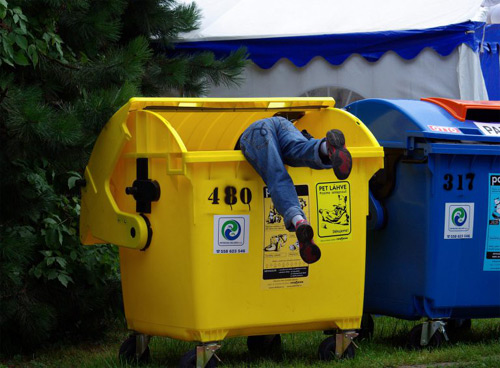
(336, 48)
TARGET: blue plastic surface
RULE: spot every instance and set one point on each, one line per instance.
(412, 269)
(376, 218)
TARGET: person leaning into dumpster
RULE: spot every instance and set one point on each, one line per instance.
(270, 144)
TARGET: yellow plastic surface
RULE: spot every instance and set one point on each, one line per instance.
(179, 287)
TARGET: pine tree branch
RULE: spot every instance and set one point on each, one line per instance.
(3, 94)
(59, 62)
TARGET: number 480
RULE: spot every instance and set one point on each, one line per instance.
(230, 196)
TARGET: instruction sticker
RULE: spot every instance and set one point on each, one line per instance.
(334, 211)
(492, 251)
(282, 265)
(231, 234)
(459, 220)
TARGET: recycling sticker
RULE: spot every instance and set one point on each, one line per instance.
(231, 234)
(459, 221)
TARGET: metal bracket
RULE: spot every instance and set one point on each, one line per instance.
(205, 352)
(429, 328)
(342, 341)
(141, 344)
(144, 189)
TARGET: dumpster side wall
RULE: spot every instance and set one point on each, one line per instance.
(396, 256)
(458, 280)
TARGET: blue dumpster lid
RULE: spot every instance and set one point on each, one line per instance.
(394, 122)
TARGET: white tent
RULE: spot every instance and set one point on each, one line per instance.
(349, 49)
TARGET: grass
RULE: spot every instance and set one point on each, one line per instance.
(479, 347)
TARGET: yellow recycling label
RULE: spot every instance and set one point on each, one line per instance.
(334, 211)
(282, 265)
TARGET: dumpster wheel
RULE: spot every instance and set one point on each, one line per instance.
(327, 350)
(432, 337)
(198, 357)
(129, 353)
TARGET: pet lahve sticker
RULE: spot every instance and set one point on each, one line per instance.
(492, 249)
(282, 265)
(459, 220)
(231, 234)
(334, 211)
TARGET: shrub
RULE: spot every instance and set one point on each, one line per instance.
(65, 67)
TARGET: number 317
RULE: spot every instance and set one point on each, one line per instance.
(450, 181)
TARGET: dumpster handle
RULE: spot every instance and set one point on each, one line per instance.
(101, 220)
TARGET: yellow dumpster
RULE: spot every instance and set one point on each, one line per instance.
(204, 255)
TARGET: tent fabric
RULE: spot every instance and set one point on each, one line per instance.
(490, 60)
(257, 19)
(470, 78)
(336, 48)
(427, 75)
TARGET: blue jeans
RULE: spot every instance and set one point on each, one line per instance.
(270, 144)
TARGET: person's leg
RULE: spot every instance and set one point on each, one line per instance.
(326, 153)
(260, 145)
(297, 150)
(267, 144)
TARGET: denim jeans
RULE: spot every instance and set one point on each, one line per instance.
(270, 144)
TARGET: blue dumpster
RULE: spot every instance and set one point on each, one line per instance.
(434, 251)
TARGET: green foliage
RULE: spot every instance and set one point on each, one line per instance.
(18, 44)
(49, 283)
(65, 67)
(193, 74)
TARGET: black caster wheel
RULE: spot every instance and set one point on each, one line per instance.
(416, 333)
(126, 353)
(264, 345)
(188, 360)
(367, 327)
(326, 350)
